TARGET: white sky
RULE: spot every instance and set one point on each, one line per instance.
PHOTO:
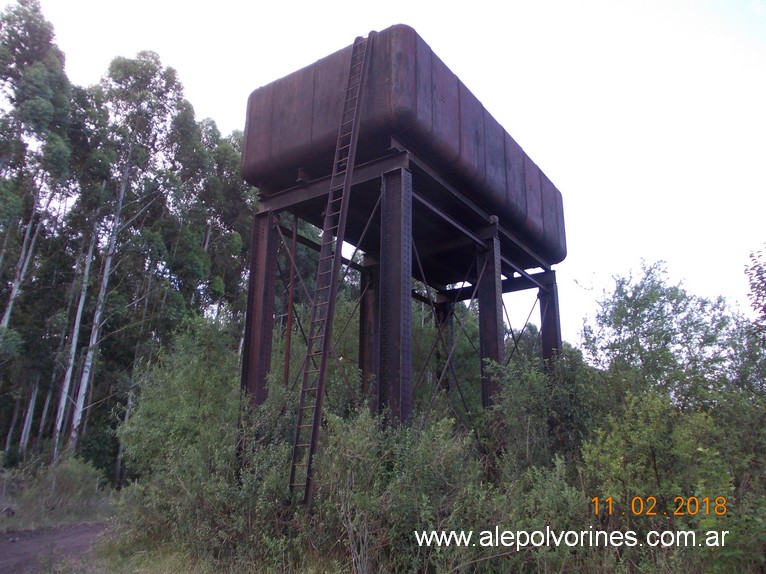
(650, 116)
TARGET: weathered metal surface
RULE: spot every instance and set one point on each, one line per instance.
(491, 327)
(259, 324)
(437, 179)
(550, 321)
(292, 125)
(395, 313)
(369, 357)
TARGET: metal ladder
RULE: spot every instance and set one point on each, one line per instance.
(326, 287)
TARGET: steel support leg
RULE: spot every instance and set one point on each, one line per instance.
(491, 327)
(549, 317)
(368, 335)
(395, 313)
(259, 323)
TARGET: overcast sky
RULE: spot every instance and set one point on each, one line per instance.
(649, 116)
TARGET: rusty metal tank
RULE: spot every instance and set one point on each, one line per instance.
(412, 96)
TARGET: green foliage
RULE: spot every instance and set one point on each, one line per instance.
(679, 413)
(31, 68)
(99, 446)
(365, 489)
(56, 157)
(182, 442)
(376, 484)
(188, 401)
(10, 343)
(652, 334)
(756, 274)
(556, 436)
(652, 447)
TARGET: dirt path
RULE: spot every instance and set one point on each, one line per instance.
(31, 551)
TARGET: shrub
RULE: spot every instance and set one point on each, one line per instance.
(67, 492)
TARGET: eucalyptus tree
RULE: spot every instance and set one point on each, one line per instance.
(231, 204)
(35, 188)
(90, 162)
(119, 203)
(184, 255)
(141, 98)
(34, 151)
(213, 209)
(651, 333)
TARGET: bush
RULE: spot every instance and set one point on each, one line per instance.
(213, 473)
(68, 492)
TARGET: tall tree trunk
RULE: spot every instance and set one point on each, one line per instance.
(26, 255)
(66, 383)
(43, 420)
(95, 332)
(56, 371)
(14, 418)
(22, 267)
(25, 432)
(87, 409)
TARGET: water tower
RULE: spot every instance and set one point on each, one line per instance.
(383, 148)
